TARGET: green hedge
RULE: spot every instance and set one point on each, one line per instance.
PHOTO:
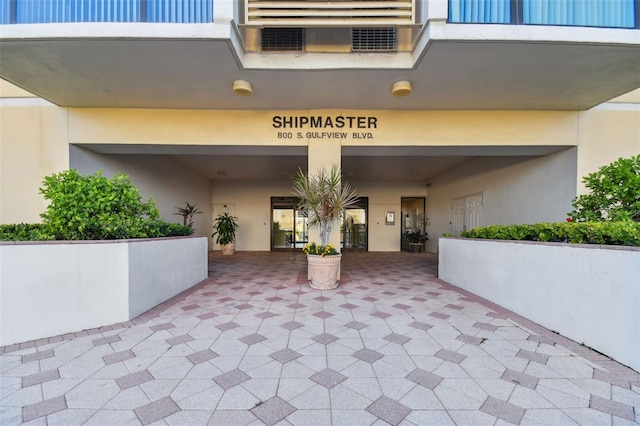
(610, 233)
(24, 232)
(146, 229)
(93, 207)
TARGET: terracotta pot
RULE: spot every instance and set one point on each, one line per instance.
(228, 249)
(323, 271)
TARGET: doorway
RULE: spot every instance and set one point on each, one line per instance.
(289, 228)
(412, 232)
(467, 213)
(353, 227)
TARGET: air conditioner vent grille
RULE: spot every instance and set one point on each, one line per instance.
(282, 39)
(374, 40)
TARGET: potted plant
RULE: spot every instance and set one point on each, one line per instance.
(416, 240)
(187, 212)
(225, 227)
(324, 197)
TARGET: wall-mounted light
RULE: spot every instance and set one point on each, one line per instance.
(242, 88)
(401, 88)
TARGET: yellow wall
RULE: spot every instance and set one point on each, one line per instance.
(8, 90)
(32, 146)
(607, 134)
(410, 128)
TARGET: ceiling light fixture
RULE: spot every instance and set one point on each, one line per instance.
(242, 88)
(401, 88)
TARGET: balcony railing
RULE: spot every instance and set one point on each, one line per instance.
(584, 13)
(283, 13)
(57, 11)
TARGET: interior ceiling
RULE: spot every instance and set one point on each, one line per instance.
(198, 73)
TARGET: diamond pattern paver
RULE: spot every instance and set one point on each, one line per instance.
(325, 338)
(44, 408)
(397, 338)
(227, 326)
(177, 340)
(202, 356)
(285, 355)
(118, 356)
(134, 379)
(503, 410)
(614, 408)
(356, 325)
(231, 378)
(292, 325)
(450, 356)
(532, 356)
(220, 352)
(252, 339)
(389, 410)
(37, 378)
(37, 356)
(328, 378)
(367, 355)
(519, 378)
(157, 410)
(273, 410)
(469, 339)
(424, 378)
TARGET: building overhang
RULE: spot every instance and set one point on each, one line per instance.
(452, 67)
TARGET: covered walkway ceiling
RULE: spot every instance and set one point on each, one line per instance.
(453, 67)
(271, 163)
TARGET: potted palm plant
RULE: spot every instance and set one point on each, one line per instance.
(324, 197)
(187, 212)
(225, 227)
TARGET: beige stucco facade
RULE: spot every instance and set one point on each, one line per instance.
(527, 165)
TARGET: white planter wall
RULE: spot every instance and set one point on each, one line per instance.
(590, 294)
(52, 288)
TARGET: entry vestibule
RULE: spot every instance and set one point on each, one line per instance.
(290, 229)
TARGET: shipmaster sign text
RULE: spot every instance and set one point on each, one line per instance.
(324, 122)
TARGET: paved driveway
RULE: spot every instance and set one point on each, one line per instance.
(254, 344)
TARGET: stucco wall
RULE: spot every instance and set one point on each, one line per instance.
(51, 288)
(515, 190)
(32, 146)
(608, 132)
(587, 293)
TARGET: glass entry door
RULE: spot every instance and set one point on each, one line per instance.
(289, 228)
(412, 230)
(353, 229)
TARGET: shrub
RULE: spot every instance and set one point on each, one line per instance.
(615, 193)
(92, 207)
(24, 232)
(610, 233)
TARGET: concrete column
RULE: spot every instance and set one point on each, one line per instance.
(324, 153)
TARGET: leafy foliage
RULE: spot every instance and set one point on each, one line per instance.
(93, 207)
(324, 197)
(187, 212)
(225, 229)
(314, 249)
(416, 237)
(614, 196)
(24, 232)
(610, 233)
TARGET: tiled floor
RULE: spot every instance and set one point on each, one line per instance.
(255, 345)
